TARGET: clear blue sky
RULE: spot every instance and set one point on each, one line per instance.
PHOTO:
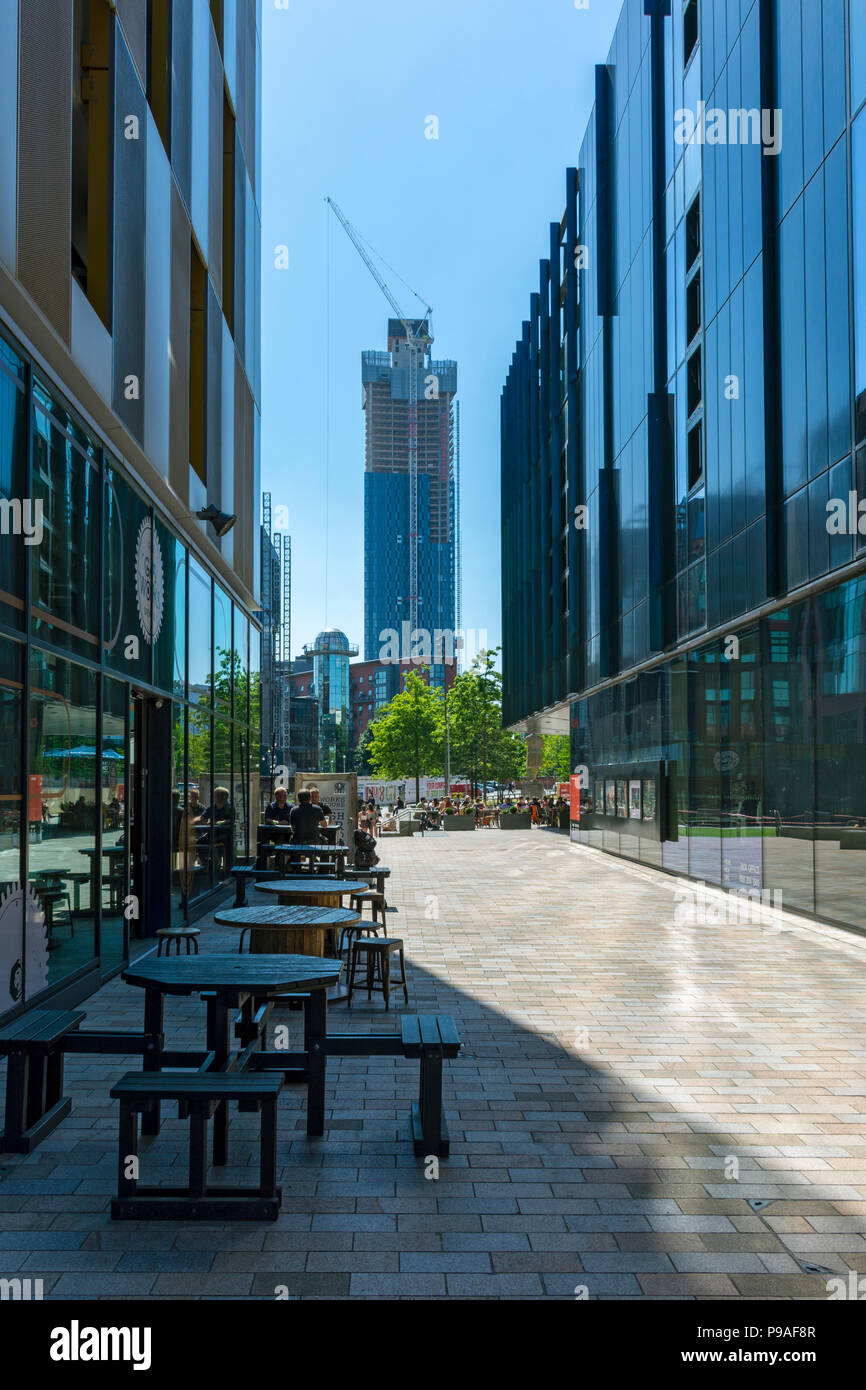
(346, 91)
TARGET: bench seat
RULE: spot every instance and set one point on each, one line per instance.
(35, 1103)
(198, 1095)
(429, 1037)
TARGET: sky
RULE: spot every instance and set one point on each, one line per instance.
(348, 88)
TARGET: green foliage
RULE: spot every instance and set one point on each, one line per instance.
(362, 752)
(407, 738)
(479, 745)
(556, 757)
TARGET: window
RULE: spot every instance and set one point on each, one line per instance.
(228, 277)
(92, 181)
(216, 14)
(693, 233)
(695, 454)
(693, 308)
(694, 382)
(200, 649)
(13, 454)
(65, 567)
(690, 30)
(159, 66)
(63, 731)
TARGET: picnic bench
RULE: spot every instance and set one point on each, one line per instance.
(242, 873)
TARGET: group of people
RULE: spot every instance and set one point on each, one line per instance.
(374, 818)
(307, 818)
(544, 810)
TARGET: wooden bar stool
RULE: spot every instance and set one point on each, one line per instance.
(371, 896)
(167, 935)
(378, 951)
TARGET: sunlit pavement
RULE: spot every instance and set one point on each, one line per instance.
(642, 1109)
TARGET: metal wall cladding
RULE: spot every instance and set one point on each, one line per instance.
(130, 183)
(240, 285)
(133, 18)
(243, 494)
(215, 160)
(179, 383)
(181, 97)
(44, 157)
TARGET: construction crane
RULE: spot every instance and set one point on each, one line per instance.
(417, 343)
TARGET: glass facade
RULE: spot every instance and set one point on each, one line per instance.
(765, 760)
(134, 658)
(685, 410)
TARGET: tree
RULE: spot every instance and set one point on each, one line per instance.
(479, 744)
(408, 734)
(556, 757)
(362, 752)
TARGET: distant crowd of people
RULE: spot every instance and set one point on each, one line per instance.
(545, 810)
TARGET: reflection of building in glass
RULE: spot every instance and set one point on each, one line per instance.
(684, 401)
(304, 734)
(129, 386)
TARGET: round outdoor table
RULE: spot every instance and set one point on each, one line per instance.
(309, 892)
(292, 930)
(235, 983)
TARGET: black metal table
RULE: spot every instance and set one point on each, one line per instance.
(248, 984)
(378, 871)
(311, 852)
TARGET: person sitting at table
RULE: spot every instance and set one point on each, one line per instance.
(314, 795)
(187, 845)
(279, 811)
(305, 819)
(220, 815)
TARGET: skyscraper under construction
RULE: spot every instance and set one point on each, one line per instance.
(388, 502)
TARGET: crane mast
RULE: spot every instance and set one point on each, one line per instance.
(416, 344)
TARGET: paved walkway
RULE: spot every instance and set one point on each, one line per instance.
(645, 1108)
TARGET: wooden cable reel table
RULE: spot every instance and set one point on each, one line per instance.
(296, 930)
(309, 891)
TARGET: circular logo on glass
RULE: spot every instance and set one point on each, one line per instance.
(149, 580)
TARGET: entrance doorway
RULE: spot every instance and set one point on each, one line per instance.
(150, 823)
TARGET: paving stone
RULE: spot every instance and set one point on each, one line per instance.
(591, 1114)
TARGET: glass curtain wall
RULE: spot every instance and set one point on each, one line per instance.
(766, 768)
(117, 605)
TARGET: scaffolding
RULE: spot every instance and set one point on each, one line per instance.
(457, 540)
(276, 637)
(286, 649)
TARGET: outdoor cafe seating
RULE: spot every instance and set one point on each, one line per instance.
(231, 1065)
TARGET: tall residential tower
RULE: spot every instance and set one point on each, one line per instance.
(387, 499)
